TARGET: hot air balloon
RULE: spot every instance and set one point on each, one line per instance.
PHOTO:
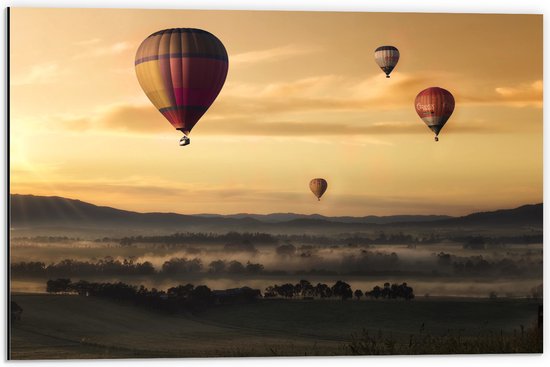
(386, 57)
(182, 71)
(318, 186)
(434, 106)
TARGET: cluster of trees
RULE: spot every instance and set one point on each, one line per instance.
(175, 299)
(391, 291)
(340, 289)
(380, 238)
(237, 238)
(289, 250)
(183, 266)
(105, 266)
(478, 265)
(110, 266)
(234, 267)
(243, 246)
(48, 239)
(481, 242)
(371, 260)
(189, 237)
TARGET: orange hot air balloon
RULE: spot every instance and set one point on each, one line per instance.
(318, 186)
(434, 106)
(182, 71)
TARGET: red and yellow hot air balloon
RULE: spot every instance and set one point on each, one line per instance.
(386, 57)
(318, 186)
(434, 106)
(182, 71)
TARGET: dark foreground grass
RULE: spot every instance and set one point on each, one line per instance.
(74, 327)
(485, 342)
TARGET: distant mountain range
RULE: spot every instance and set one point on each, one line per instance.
(29, 211)
(370, 219)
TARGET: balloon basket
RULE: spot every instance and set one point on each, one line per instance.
(436, 139)
(184, 141)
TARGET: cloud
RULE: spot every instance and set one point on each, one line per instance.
(134, 118)
(144, 187)
(38, 74)
(144, 119)
(272, 54)
(324, 93)
(88, 42)
(96, 51)
(119, 117)
(322, 105)
(523, 94)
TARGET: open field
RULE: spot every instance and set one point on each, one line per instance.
(55, 326)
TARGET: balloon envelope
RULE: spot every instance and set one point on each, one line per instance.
(182, 71)
(434, 106)
(318, 186)
(386, 57)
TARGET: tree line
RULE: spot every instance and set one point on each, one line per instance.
(478, 265)
(340, 289)
(110, 266)
(194, 298)
(191, 237)
(175, 299)
(380, 238)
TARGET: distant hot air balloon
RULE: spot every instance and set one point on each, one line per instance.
(434, 106)
(386, 57)
(182, 71)
(318, 186)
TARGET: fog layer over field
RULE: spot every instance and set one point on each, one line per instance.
(435, 269)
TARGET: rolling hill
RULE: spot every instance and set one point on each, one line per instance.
(29, 211)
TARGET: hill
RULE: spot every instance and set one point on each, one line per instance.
(29, 211)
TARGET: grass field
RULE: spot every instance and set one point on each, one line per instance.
(55, 326)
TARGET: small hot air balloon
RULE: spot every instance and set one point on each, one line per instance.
(434, 106)
(318, 186)
(386, 57)
(182, 71)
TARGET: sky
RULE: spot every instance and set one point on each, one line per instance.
(303, 99)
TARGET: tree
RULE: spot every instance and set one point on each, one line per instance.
(58, 285)
(235, 267)
(201, 292)
(217, 266)
(342, 289)
(181, 291)
(358, 294)
(181, 265)
(270, 292)
(254, 268)
(306, 288)
(322, 290)
(376, 292)
(286, 250)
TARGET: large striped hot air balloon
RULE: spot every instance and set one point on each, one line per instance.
(386, 57)
(434, 106)
(182, 71)
(318, 186)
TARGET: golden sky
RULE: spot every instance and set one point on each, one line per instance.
(303, 99)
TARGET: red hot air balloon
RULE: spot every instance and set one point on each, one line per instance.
(434, 106)
(182, 71)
